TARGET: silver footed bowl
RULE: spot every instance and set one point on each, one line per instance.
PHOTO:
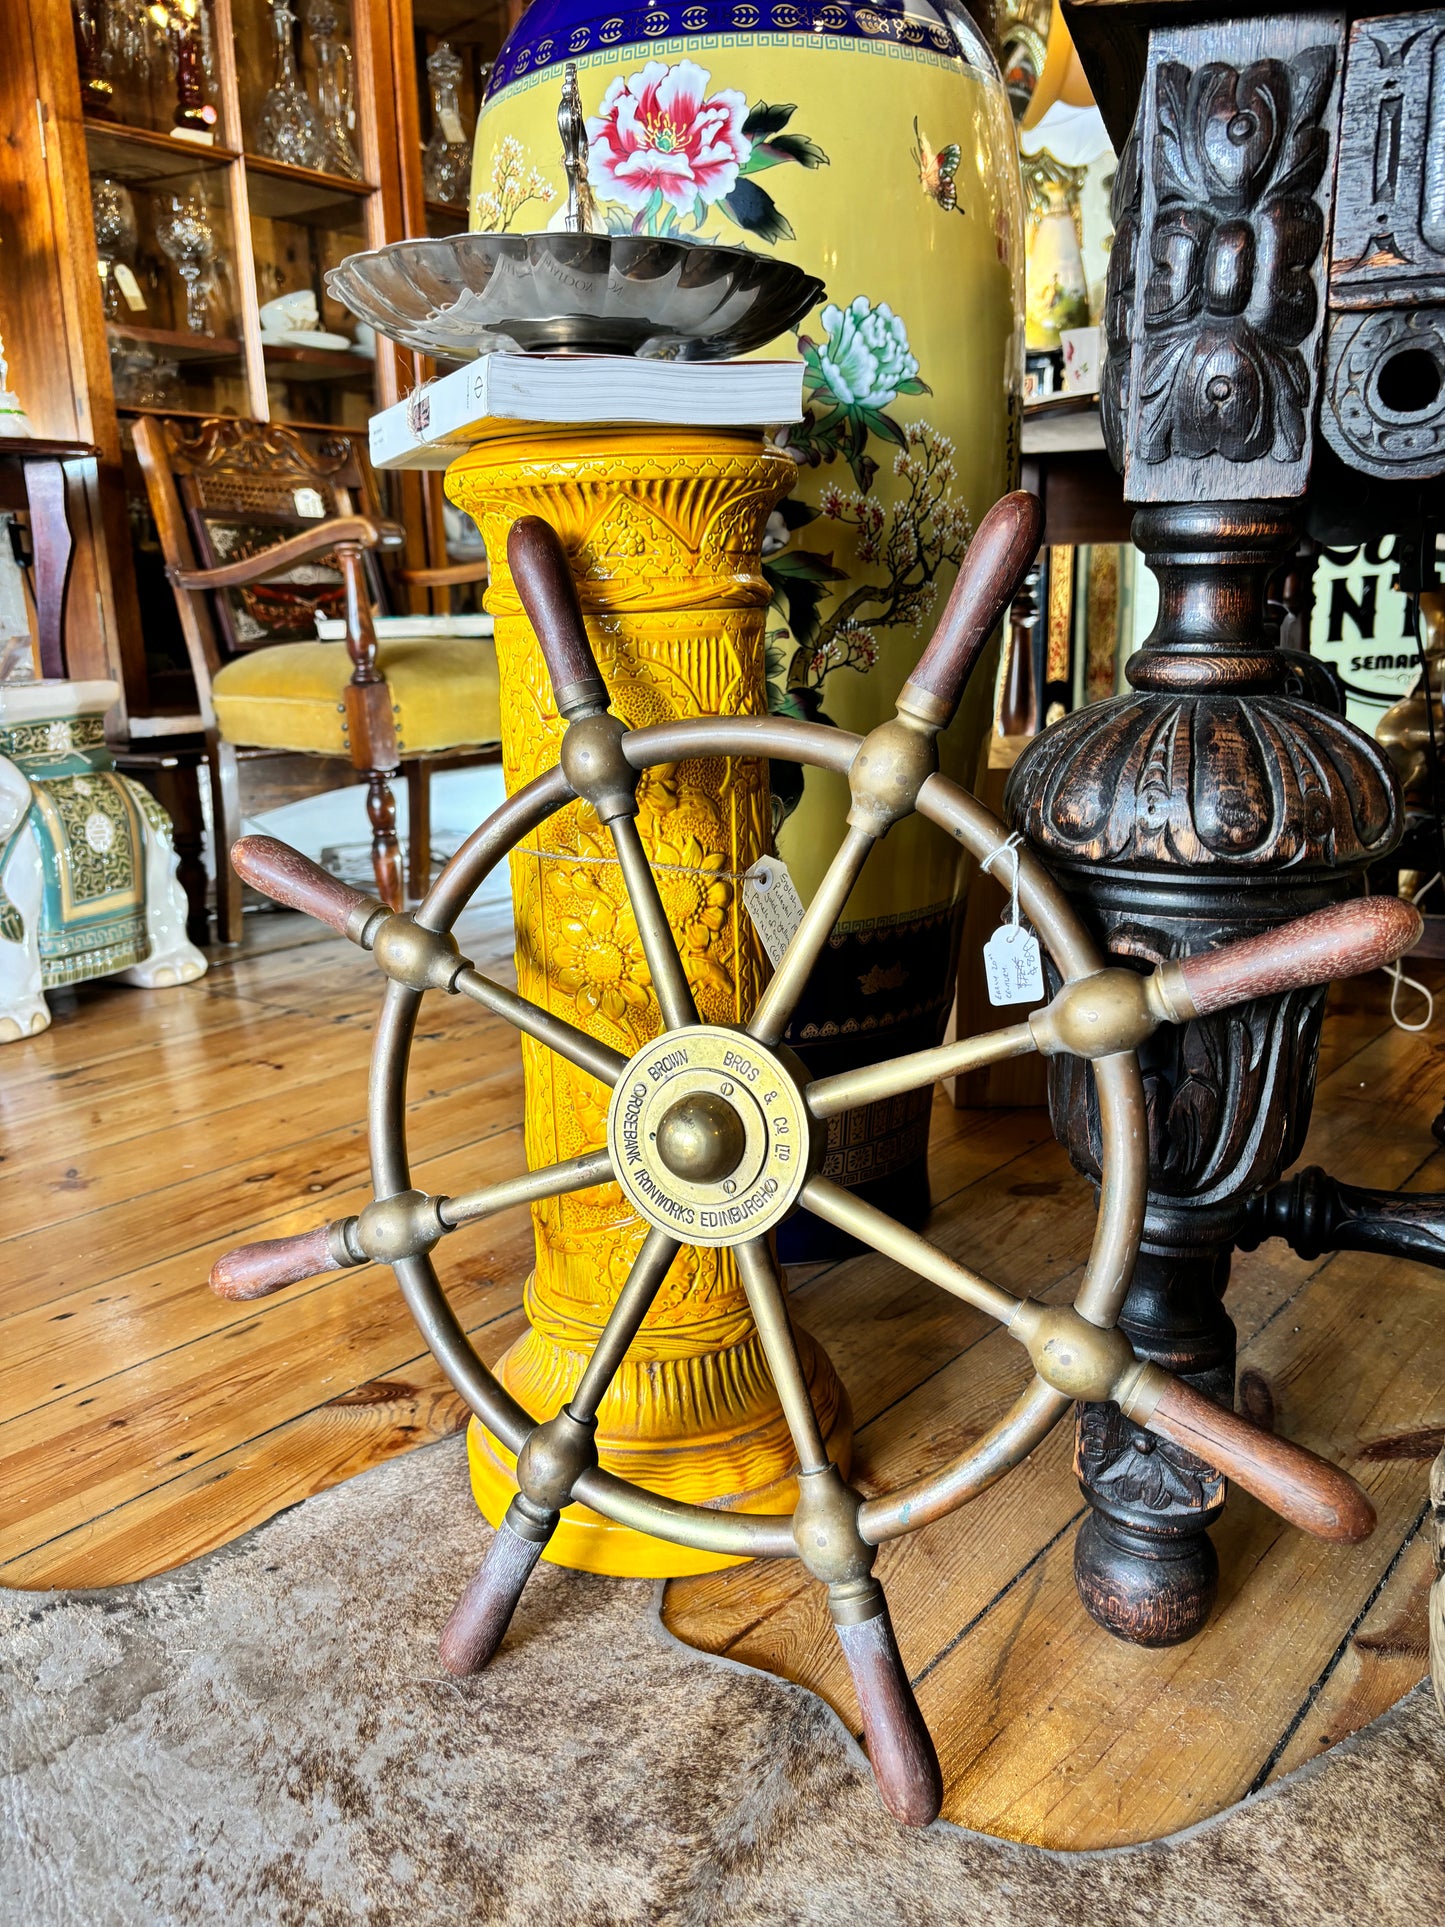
(584, 294)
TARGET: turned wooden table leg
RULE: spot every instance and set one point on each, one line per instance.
(1205, 806)
(52, 548)
(1212, 801)
(1143, 1559)
(1019, 706)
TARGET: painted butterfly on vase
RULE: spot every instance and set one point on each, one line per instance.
(936, 172)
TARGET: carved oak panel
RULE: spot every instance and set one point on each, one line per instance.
(1128, 1473)
(1237, 154)
(1389, 239)
(1383, 408)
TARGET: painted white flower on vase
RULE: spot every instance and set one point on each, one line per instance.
(865, 358)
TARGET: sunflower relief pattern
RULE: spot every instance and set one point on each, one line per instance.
(666, 529)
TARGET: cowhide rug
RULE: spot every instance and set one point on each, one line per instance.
(263, 1736)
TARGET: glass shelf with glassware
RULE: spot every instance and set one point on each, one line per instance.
(150, 64)
(164, 257)
(292, 133)
(454, 46)
(296, 75)
(140, 155)
(235, 150)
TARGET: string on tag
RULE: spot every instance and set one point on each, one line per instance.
(1013, 966)
(1398, 979)
(1012, 848)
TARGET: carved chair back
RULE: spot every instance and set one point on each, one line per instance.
(224, 490)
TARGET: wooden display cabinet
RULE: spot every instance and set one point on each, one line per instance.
(475, 34)
(277, 228)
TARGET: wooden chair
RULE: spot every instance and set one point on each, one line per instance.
(262, 529)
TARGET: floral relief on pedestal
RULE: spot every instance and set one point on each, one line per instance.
(665, 548)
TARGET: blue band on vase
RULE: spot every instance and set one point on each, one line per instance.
(550, 34)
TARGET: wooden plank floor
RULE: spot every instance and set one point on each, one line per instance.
(142, 1422)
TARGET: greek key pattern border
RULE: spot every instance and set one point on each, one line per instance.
(624, 38)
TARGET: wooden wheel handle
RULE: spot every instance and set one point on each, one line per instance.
(544, 582)
(900, 1747)
(256, 1270)
(480, 1618)
(1344, 941)
(1301, 1487)
(284, 875)
(998, 558)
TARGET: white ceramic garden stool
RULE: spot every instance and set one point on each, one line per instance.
(87, 864)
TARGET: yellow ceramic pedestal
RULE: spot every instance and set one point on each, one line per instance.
(665, 529)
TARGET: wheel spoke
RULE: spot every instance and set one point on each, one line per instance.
(603, 1063)
(634, 1301)
(777, 1003)
(769, 1305)
(669, 979)
(830, 1095)
(873, 1227)
(550, 1181)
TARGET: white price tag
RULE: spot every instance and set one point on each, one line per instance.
(125, 280)
(1012, 965)
(771, 899)
(309, 502)
(452, 131)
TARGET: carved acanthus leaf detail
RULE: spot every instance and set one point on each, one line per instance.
(1119, 1463)
(1207, 782)
(1226, 1097)
(1119, 299)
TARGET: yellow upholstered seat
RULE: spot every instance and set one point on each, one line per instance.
(290, 696)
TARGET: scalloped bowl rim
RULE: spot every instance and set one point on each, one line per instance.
(398, 252)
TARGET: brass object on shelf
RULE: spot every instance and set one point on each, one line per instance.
(1021, 34)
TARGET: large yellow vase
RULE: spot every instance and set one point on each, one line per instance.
(664, 528)
(876, 149)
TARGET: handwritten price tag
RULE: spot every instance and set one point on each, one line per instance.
(125, 280)
(771, 899)
(1012, 965)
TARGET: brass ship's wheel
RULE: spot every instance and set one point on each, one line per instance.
(715, 1134)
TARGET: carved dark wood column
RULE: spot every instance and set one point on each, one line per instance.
(1208, 805)
(1213, 801)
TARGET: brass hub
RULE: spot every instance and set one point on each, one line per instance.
(701, 1138)
(709, 1135)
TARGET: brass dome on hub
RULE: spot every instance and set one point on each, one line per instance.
(700, 1139)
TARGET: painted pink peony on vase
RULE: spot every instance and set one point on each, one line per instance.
(659, 135)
